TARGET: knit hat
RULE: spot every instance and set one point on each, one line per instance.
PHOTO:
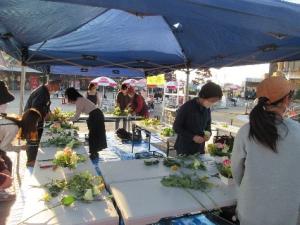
(5, 95)
(274, 88)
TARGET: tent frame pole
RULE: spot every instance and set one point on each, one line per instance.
(186, 97)
(22, 88)
(23, 79)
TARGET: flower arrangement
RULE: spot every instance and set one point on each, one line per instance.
(218, 149)
(225, 168)
(117, 112)
(83, 186)
(60, 116)
(225, 171)
(67, 158)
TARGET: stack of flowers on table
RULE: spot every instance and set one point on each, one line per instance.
(225, 172)
(67, 159)
(219, 151)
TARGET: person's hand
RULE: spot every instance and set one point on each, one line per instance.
(7, 182)
(198, 139)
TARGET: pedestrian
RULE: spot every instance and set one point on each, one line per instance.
(95, 121)
(6, 181)
(10, 128)
(5, 97)
(39, 99)
(93, 95)
(265, 159)
(122, 101)
(137, 105)
(194, 118)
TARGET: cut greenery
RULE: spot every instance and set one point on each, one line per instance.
(187, 181)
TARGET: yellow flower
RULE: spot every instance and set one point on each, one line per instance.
(59, 154)
(102, 187)
(174, 168)
(74, 158)
(46, 197)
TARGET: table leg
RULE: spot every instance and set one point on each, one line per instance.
(132, 141)
(149, 139)
(168, 148)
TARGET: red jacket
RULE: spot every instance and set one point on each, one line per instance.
(139, 106)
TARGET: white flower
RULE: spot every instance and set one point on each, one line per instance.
(226, 148)
(207, 134)
(59, 154)
(96, 191)
(88, 196)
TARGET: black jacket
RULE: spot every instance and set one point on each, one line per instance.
(40, 100)
(191, 119)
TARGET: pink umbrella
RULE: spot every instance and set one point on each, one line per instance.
(141, 83)
(172, 85)
(131, 82)
(104, 81)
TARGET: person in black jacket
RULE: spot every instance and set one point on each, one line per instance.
(39, 99)
(193, 119)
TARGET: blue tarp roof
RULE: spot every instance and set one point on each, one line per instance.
(202, 33)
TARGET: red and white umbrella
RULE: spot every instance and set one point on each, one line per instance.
(131, 82)
(141, 83)
(171, 85)
(104, 81)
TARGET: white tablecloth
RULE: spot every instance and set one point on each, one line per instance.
(80, 213)
(142, 199)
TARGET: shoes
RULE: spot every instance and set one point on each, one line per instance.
(30, 163)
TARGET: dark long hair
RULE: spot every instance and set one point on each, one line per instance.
(263, 123)
(72, 94)
(27, 124)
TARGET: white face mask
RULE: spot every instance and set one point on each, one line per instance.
(207, 104)
(288, 110)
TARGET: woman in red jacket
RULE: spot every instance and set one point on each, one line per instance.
(138, 105)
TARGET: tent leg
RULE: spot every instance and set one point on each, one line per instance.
(22, 88)
(186, 98)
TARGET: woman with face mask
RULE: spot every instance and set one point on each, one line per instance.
(265, 159)
(194, 118)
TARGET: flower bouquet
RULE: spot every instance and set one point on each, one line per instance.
(218, 150)
(225, 172)
(67, 158)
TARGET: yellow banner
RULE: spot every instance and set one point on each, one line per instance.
(158, 80)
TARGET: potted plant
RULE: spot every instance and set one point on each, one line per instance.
(225, 172)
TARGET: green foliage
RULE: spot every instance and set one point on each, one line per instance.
(150, 162)
(167, 132)
(55, 187)
(214, 150)
(224, 170)
(65, 139)
(118, 112)
(187, 181)
(151, 122)
(190, 162)
(79, 183)
(68, 200)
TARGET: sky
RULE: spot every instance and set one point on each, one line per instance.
(235, 75)
(238, 74)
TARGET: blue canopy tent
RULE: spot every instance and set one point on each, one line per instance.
(149, 34)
